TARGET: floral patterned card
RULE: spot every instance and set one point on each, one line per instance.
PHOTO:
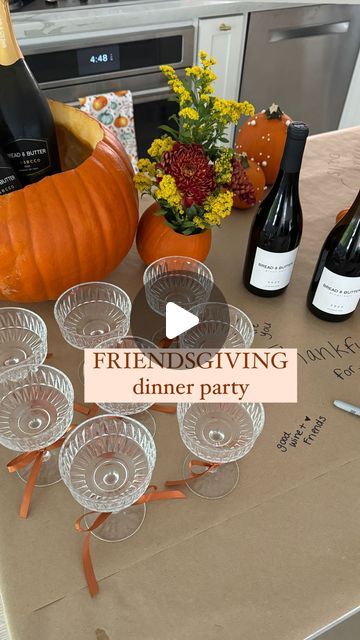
(115, 110)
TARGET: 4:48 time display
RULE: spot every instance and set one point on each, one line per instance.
(102, 57)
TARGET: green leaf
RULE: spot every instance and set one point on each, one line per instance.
(169, 130)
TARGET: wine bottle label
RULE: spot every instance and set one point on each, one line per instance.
(29, 155)
(8, 181)
(272, 271)
(336, 294)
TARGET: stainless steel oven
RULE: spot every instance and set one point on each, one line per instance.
(109, 63)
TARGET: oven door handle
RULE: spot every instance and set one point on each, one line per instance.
(139, 97)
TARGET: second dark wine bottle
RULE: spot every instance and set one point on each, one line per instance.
(277, 227)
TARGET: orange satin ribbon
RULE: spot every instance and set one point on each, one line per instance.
(151, 495)
(90, 412)
(23, 460)
(165, 343)
(209, 466)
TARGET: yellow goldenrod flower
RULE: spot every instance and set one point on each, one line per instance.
(209, 75)
(160, 145)
(230, 110)
(194, 72)
(168, 191)
(168, 71)
(204, 97)
(248, 108)
(142, 182)
(207, 61)
(223, 166)
(178, 88)
(146, 166)
(199, 222)
(189, 112)
(217, 207)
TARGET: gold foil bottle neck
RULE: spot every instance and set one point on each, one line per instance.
(9, 49)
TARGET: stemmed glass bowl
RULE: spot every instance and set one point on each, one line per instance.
(220, 325)
(107, 463)
(89, 313)
(177, 279)
(35, 411)
(137, 409)
(23, 340)
(218, 434)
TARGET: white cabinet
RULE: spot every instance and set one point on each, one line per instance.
(224, 39)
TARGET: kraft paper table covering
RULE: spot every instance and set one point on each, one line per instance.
(287, 537)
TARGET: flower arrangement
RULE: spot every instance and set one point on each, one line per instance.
(191, 174)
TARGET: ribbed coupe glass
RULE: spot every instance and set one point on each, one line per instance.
(130, 408)
(219, 433)
(35, 411)
(107, 463)
(91, 312)
(23, 340)
(220, 325)
(177, 279)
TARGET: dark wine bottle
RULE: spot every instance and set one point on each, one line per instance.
(27, 130)
(335, 287)
(277, 227)
(9, 181)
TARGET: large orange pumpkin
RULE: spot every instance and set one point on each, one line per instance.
(263, 138)
(73, 226)
(155, 239)
(257, 178)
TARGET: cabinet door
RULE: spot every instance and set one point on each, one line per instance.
(224, 38)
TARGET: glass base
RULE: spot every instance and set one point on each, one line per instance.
(49, 473)
(214, 484)
(119, 526)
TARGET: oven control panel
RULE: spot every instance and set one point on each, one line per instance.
(126, 58)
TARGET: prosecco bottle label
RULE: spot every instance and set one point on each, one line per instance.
(29, 156)
(8, 181)
(272, 271)
(337, 295)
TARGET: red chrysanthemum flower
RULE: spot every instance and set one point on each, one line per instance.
(191, 170)
(240, 183)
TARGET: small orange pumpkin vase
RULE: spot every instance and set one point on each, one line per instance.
(155, 239)
(73, 226)
(263, 138)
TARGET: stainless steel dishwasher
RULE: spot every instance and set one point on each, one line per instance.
(302, 59)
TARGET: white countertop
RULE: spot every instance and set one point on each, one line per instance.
(67, 25)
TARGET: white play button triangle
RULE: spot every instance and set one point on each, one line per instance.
(178, 320)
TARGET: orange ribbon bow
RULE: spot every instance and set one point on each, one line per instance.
(23, 460)
(209, 466)
(151, 495)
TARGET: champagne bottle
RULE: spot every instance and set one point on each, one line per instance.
(277, 227)
(9, 181)
(27, 130)
(335, 287)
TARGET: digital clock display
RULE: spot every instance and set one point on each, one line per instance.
(94, 60)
